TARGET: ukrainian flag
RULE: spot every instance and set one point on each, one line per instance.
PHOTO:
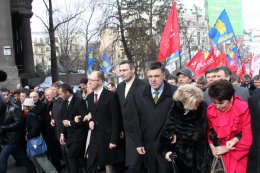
(91, 61)
(106, 65)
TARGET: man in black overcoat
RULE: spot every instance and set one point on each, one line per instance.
(253, 165)
(153, 104)
(76, 132)
(125, 92)
(104, 148)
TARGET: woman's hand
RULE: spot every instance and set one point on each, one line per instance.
(167, 156)
(221, 150)
(213, 149)
(231, 143)
(173, 138)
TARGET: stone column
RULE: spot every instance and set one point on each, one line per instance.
(7, 62)
(27, 43)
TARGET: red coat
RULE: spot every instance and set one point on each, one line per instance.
(227, 125)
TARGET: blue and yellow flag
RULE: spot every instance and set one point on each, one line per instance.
(106, 65)
(91, 61)
(171, 61)
(222, 30)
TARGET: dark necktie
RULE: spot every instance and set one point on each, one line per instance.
(155, 99)
(95, 99)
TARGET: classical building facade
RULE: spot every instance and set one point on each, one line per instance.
(16, 55)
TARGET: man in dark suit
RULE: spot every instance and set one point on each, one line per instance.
(223, 72)
(76, 132)
(104, 148)
(125, 92)
(152, 106)
(254, 153)
(56, 119)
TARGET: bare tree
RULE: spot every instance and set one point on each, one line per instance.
(51, 29)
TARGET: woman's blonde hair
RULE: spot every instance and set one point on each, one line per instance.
(188, 94)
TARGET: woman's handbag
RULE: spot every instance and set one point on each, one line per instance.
(218, 165)
(36, 146)
(173, 156)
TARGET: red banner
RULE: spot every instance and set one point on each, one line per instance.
(170, 41)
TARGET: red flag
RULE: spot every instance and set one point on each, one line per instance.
(170, 42)
(250, 64)
(242, 69)
(210, 62)
(222, 60)
(196, 64)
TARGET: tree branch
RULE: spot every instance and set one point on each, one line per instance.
(43, 22)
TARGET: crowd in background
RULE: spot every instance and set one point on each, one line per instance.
(137, 126)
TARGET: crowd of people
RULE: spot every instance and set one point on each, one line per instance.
(138, 126)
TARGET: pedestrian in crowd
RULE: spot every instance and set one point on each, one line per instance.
(256, 83)
(235, 80)
(56, 120)
(19, 86)
(225, 73)
(11, 134)
(254, 153)
(33, 129)
(16, 95)
(210, 76)
(49, 133)
(40, 107)
(76, 133)
(201, 83)
(125, 91)
(105, 147)
(111, 86)
(246, 81)
(229, 118)
(23, 94)
(184, 132)
(85, 89)
(172, 80)
(184, 76)
(152, 104)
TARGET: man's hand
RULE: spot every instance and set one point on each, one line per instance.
(140, 150)
(87, 118)
(111, 146)
(167, 156)
(91, 125)
(66, 123)
(62, 139)
(53, 124)
(77, 118)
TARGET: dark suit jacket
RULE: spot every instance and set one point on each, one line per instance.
(77, 132)
(127, 106)
(152, 116)
(254, 153)
(106, 116)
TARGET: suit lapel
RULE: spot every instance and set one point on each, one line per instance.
(166, 93)
(101, 97)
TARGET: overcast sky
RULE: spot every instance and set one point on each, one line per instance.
(250, 12)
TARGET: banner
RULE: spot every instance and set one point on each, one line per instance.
(106, 65)
(196, 64)
(222, 30)
(232, 57)
(91, 61)
(170, 42)
(255, 64)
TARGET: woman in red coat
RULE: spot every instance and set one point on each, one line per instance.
(228, 116)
